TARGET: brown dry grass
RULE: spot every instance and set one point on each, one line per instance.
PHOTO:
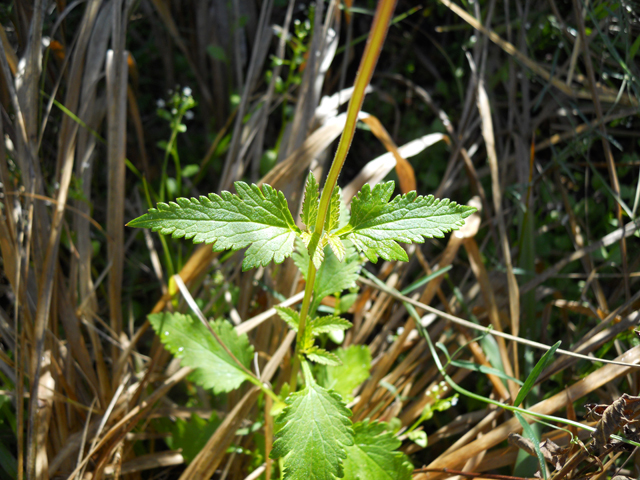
(84, 374)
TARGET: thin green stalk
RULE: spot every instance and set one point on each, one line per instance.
(372, 51)
(304, 311)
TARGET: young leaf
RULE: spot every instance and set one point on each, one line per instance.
(373, 455)
(316, 430)
(254, 218)
(290, 316)
(419, 437)
(333, 276)
(328, 324)
(356, 363)
(535, 373)
(310, 203)
(188, 339)
(320, 355)
(337, 247)
(377, 224)
(333, 215)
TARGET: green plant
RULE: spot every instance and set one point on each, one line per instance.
(259, 218)
(316, 434)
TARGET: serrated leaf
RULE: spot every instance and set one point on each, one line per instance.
(318, 254)
(290, 316)
(310, 203)
(337, 247)
(321, 356)
(316, 430)
(333, 276)
(356, 363)
(332, 220)
(254, 218)
(307, 340)
(374, 455)
(328, 324)
(188, 339)
(376, 225)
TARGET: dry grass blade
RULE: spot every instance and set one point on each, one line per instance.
(377, 169)
(613, 237)
(116, 69)
(604, 94)
(496, 189)
(405, 172)
(76, 287)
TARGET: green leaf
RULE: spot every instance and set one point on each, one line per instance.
(310, 203)
(528, 432)
(439, 405)
(337, 247)
(321, 356)
(377, 224)
(193, 435)
(374, 455)
(419, 437)
(316, 430)
(254, 218)
(290, 316)
(333, 215)
(333, 276)
(535, 373)
(634, 49)
(356, 363)
(328, 324)
(188, 339)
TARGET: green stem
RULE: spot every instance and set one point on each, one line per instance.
(304, 311)
(267, 391)
(369, 59)
(377, 35)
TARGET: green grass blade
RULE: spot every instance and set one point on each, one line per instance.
(535, 373)
(529, 433)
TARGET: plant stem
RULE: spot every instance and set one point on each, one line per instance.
(304, 311)
(378, 33)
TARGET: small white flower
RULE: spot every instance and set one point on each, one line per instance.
(160, 103)
(400, 330)
(186, 91)
(454, 401)
(188, 115)
(174, 111)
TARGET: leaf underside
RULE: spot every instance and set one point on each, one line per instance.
(256, 218)
(188, 339)
(315, 432)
